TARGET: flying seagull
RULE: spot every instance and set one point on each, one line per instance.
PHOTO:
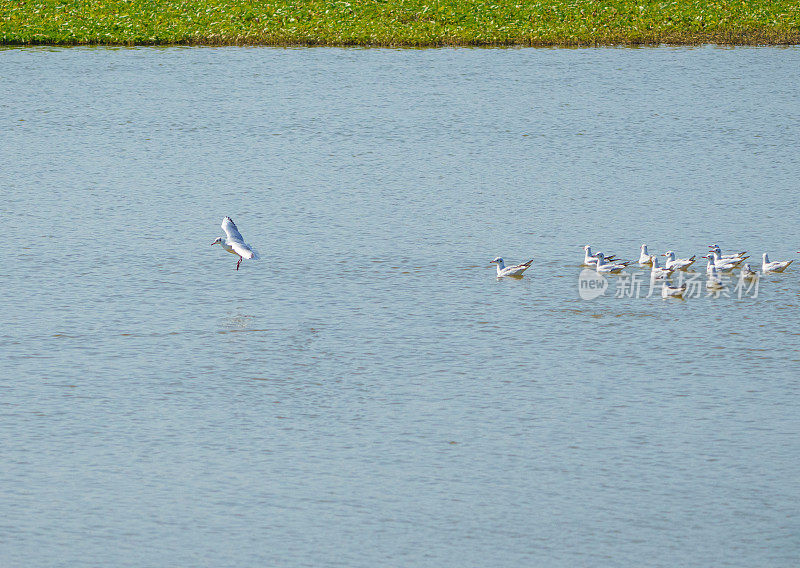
(235, 244)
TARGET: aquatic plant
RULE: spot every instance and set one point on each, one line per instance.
(398, 22)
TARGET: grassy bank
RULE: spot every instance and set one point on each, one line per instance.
(399, 22)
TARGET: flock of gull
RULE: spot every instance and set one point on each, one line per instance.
(717, 263)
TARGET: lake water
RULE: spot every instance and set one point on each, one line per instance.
(369, 394)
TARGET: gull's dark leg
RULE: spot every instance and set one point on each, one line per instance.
(238, 263)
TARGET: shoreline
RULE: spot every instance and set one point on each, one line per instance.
(207, 42)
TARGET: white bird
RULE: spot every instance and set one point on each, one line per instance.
(777, 266)
(670, 291)
(590, 259)
(516, 270)
(719, 259)
(714, 282)
(659, 272)
(678, 263)
(235, 244)
(721, 265)
(644, 258)
(602, 266)
(734, 256)
(748, 272)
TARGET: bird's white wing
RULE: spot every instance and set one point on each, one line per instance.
(230, 229)
(243, 250)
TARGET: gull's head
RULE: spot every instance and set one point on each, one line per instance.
(217, 241)
(497, 260)
(644, 246)
(747, 268)
(586, 247)
(601, 256)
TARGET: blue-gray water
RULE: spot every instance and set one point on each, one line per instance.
(369, 394)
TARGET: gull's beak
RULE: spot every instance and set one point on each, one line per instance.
(212, 244)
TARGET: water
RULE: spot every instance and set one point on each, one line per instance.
(369, 394)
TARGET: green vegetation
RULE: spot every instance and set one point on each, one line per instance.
(399, 22)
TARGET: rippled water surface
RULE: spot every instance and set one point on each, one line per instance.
(369, 394)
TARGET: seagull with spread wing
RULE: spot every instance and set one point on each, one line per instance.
(235, 244)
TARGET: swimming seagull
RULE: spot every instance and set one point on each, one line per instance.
(516, 270)
(748, 272)
(659, 272)
(777, 266)
(720, 264)
(730, 257)
(602, 266)
(235, 244)
(719, 259)
(677, 263)
(590, 259)
(670, 291)
(714, 282)
(644, 258)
